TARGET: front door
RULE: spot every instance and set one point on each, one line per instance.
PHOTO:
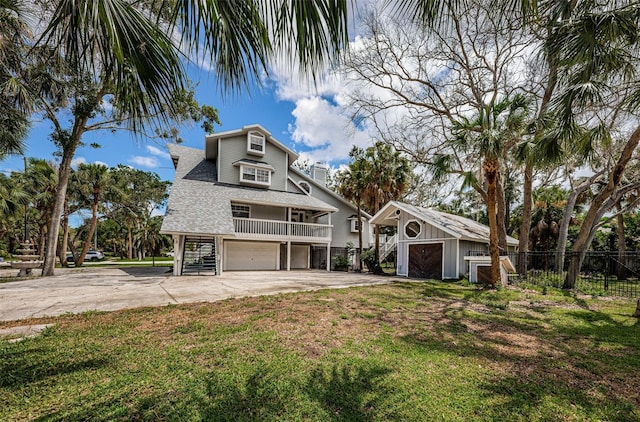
(425, 260)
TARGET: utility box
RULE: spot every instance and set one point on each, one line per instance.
(480, 269)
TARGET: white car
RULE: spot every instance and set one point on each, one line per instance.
(91, 256)
(94, 256)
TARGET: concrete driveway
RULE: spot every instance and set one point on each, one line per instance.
(108, 289)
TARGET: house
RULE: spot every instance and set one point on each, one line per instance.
(433, 244)
(240, 204)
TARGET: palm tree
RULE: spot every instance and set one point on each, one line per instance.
(351, 184)
(111, 47)
(137, 63)
(497, 129)
(93, 179)
(14, 121)
(598, 46)
(386, 178)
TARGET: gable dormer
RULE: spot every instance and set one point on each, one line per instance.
(251, 157)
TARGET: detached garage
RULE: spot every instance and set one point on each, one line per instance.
(239, 255)
(432, 244)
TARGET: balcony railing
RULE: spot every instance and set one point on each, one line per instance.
(281, 230)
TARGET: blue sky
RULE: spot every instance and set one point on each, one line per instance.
(310, 119)
(262, 105)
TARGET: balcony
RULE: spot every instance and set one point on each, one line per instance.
(252, 228)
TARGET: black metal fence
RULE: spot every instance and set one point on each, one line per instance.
(612, 273)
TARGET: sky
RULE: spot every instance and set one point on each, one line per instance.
(302, 118)
(309, 119)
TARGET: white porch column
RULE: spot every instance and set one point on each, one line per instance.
(219, 254)
(289, 236)
(329, 244)
(178, 251)
(329, 256)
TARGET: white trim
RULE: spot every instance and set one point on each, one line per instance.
(457, 257)
(252, 137)
(404, 229)
(256, 169)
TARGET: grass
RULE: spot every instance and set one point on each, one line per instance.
(406, 351)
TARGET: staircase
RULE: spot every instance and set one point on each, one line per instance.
(389, 246)
(199, 256)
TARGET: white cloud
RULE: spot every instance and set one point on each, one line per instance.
(149, 162)
(158, 152)
(102, 163)
(77, 161)
(325, 129)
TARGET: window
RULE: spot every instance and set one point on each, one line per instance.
(305, 187)
(354, 225)
(240, 211)
(255, 175)
(412, 229)
(255, 143)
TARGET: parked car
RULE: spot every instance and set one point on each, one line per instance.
(91, 256)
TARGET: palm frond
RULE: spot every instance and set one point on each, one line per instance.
(114, 40)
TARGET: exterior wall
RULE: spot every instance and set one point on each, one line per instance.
(428, 234)
(340, 219)
(235, 148)
(268, 213)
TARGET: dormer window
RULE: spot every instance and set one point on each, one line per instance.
(255, 175)
(256, 143)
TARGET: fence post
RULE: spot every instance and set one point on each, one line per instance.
(606, 270)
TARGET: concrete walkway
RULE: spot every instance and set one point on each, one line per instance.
(108, 289)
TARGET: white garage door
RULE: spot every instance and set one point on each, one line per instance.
(251, 256)
(299, 257)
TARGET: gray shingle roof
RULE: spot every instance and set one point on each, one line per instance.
(198, 205)
(458, 226)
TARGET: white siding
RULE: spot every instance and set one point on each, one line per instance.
(428, 234)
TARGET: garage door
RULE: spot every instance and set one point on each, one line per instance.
(425, 261)
(250, 256)
(299, 257)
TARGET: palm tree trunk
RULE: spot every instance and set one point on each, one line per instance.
(92, 229)
(61, 193)
(582, 241)
(501, 211)
(525, 226)
(62, 253)
(491, 169)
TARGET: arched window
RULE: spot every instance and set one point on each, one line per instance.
(305, 186)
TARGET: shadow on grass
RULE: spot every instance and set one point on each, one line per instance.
(555, 369)
(342, 393)
(34, 365)
(548, 395)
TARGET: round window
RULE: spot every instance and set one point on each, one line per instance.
(412, 229)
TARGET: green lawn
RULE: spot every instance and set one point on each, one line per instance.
(406, 351)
